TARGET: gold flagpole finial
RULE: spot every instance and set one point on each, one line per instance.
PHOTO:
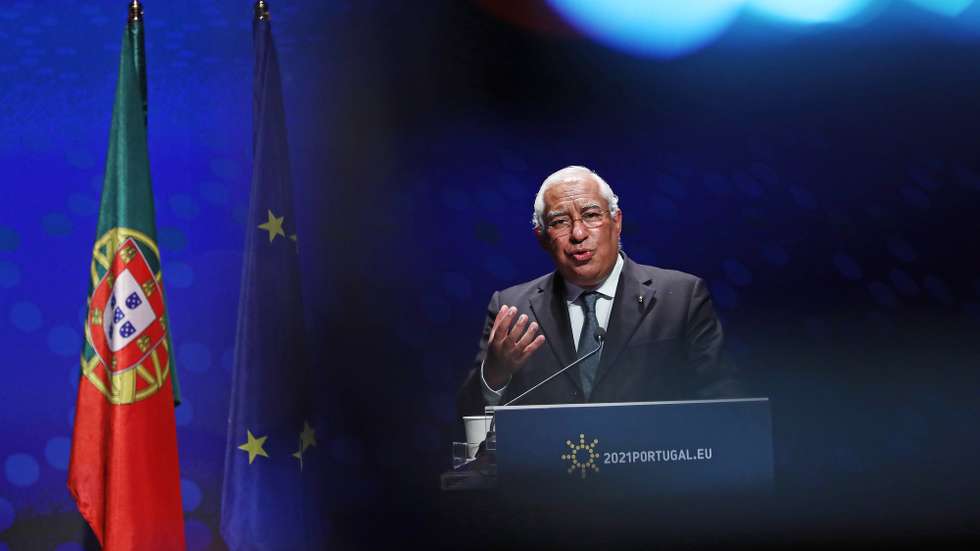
(135, 11)
(261, 10)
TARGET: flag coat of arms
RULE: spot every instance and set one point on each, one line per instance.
(123, 471)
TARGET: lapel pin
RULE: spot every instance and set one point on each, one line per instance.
(639, 298)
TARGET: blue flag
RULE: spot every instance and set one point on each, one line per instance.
(268, 484)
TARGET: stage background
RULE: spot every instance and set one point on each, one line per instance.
(822, 178)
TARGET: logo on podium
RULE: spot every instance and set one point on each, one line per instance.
(582, 456)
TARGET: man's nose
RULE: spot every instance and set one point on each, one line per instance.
(579, 231)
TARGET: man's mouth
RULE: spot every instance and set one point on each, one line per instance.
(581, 256)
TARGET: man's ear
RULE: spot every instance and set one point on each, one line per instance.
(542, 238)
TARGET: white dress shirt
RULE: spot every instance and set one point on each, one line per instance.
(576, 315)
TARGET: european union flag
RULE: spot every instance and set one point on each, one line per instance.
(268, 484)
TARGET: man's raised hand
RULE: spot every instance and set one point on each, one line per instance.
(508, 350)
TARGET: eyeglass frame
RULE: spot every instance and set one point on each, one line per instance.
(589, 210)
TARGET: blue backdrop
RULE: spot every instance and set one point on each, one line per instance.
(823, 179)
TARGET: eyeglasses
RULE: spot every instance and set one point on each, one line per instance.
(561, 225)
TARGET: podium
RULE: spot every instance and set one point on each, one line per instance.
(634, 450)
(632, 474)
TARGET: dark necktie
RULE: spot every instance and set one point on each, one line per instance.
(587, 343)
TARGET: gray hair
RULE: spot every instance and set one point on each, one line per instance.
(560, 176)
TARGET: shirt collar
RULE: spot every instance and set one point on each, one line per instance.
(606, 289)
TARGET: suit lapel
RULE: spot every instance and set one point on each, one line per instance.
(635, 297)
(551, 313)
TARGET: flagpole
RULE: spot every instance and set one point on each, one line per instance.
(135, 11)
(261, 10)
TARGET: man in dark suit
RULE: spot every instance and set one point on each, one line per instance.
(663, 340)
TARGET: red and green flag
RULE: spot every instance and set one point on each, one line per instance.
(124, 473)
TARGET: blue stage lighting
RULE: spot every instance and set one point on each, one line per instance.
(949, 8)
(810, 11)
(658, 28)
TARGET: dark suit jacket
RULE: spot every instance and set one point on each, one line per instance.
(663, 342)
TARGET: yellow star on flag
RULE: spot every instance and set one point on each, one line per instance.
(273, 226)
(308, 436)
(254, 446)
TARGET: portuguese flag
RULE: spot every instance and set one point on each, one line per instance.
(124, 474)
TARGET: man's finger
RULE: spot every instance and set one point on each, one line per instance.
(498, 321)
(518, 329)
(528, 335)
(531, 348)
(506, 322)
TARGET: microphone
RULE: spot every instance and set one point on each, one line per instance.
(600, 337)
